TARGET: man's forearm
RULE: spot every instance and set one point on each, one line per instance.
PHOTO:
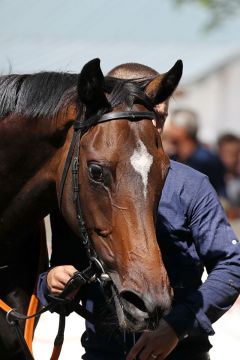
(208, 303)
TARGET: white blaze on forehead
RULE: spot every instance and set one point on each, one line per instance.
(142, 161)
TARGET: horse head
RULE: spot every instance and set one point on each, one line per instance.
(122, 167)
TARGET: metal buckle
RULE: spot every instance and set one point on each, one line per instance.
(9, 321)
(103, 276)
(97, 262)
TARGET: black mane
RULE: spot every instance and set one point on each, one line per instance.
(44, 94)
(40, 94)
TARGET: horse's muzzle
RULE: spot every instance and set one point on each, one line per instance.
(143, 313)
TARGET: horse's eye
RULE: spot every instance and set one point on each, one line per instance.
(96, 172)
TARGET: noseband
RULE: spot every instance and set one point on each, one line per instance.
(80, 127)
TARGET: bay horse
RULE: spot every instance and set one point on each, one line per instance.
(122, 168)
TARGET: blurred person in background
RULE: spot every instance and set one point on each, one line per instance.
(229, 152)
(180, 141)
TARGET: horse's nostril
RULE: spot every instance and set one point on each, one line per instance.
(134, 299)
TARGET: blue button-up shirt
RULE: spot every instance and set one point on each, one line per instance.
(193, 233)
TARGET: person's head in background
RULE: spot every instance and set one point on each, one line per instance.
(130, 71)
(229, 152)
(180, 134)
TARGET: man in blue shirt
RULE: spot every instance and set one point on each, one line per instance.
(193, 233)
(180, 137)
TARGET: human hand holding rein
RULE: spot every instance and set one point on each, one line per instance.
(58, 277)
(157, 344)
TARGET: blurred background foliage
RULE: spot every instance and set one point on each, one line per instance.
(220, 11)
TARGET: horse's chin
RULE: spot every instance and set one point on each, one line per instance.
(130, 318)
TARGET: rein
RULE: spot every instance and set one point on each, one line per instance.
(76, 282)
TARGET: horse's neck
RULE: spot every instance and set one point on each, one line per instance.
(26, 178)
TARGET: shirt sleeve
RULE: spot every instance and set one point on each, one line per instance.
(42, 289)
(219, 250)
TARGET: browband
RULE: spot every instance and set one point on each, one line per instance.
(128, 115)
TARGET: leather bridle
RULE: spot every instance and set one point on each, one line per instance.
(80, 127)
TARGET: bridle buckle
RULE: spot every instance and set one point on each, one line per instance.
(103, 275)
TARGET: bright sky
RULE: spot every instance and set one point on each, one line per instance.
(63, 34)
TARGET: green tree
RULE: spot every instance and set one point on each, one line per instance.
(220, 10)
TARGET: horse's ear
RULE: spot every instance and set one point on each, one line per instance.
(163, 86)
(91, 85)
